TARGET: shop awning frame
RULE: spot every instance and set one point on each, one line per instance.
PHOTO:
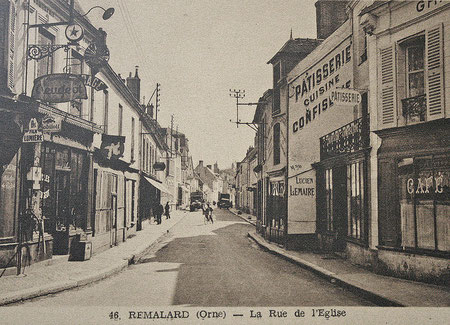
(158, 185)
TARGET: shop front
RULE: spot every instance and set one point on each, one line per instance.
(414, 201)
(62, 187)
(342, 187)
(276, 209)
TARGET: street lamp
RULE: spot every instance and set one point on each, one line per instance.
(106, 15)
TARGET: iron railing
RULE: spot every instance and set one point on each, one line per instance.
(351, 137)
(415, 107)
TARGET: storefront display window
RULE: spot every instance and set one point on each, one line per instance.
(355, 199)
(424, 202)
(329, 198)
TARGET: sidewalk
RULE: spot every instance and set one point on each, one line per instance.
(44, 278)
(250, 218)
(383, 290)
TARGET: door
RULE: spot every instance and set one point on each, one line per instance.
(63, 213)
(113, 213)
(340, 206)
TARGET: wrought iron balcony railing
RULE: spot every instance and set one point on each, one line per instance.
(415, 107)
(351, 137)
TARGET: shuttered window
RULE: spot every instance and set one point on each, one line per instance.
(4, 21)
(435, 76)
(388, 95)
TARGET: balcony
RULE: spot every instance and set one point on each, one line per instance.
(414, 109)
(349, 138)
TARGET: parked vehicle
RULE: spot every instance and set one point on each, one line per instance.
(196, 200)
(224, 201)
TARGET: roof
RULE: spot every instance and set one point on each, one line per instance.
(262, 103)
(296, 46)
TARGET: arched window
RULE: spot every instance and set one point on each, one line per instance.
(276, 144)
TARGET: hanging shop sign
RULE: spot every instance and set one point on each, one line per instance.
(51, 124)
(96, 54)
(112, 146)
(59, 88)
(346, 97)
(33, 134)
(159, 166)
(93, 82)
(74, 33)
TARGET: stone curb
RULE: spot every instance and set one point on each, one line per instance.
(240, 216)
(81, 281)
(330, 276)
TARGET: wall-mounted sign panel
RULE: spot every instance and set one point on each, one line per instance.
(51, 124)
(93, 82)
(33, 134)
(59, 88)
(347, 97)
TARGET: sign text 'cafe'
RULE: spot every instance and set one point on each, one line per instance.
(314, 88)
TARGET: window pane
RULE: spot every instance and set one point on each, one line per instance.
(416, 84)
(441, 165)
(415, 58)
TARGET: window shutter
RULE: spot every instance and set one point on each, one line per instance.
(387, 87)
(12, 32)
(434, 76)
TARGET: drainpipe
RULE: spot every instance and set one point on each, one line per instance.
(287, 171)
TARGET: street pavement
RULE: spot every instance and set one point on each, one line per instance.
(187, 262)
(198, 264)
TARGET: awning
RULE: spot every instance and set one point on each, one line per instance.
(158, 185)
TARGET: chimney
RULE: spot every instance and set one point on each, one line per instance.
(330, 15)
(216, 168)
(134, 84)
(200, 163)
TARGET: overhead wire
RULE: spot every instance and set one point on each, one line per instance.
(131, 31)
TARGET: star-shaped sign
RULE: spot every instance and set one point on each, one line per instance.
(74, 32)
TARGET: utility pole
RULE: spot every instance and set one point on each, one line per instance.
(157, 101)
(240, 94)
(171, 135)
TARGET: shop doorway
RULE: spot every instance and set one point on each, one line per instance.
(340, 206)
(63, 213)
(114, 226)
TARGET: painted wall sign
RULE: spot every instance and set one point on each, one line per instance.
(425, 5)
(347, 97)
(93, 82)
(51, 124)
(302, 203)
(313, 91)
(59, 88)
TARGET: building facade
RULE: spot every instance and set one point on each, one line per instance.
(408, 47)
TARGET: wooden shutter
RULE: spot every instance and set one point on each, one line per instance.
(434, 73)
(12, 33)
(388, 116)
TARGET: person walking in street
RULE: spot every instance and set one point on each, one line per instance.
(210, 213)
(158, 212)
(205, 212)
(167, 210)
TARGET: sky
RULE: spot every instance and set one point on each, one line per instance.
(198, 50)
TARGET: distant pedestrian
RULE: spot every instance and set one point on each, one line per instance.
(210, 213)
(167, 210)
(158, 212)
